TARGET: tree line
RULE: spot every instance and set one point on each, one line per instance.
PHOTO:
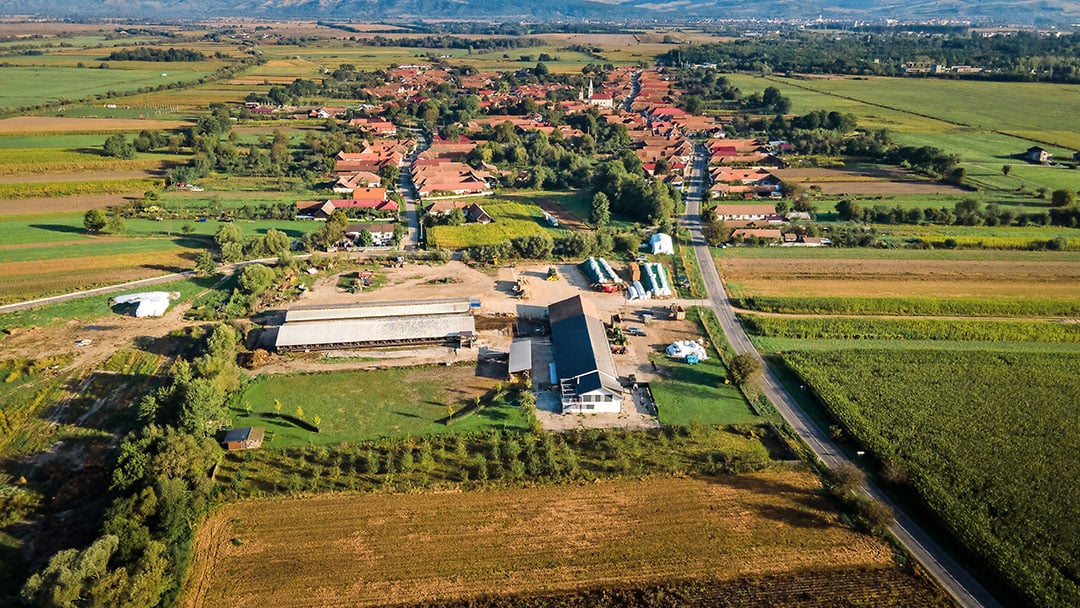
(160, 488)
(147, 53)
(1021, 56)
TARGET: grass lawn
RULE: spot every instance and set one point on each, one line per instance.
(511, 221)
(359, 405)
(697, 393)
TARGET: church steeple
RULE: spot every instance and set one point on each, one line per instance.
(590, 88)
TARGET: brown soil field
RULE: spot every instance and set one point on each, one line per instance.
(904, 278)
(57, 124)
(56, 205)
(377, 549)
(866, 181)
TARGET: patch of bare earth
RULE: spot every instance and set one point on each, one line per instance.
(868, 181)
(57, 205)
(904, 278)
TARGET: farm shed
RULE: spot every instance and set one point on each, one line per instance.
(377, 309)
(584, 366)
(520, 359)
(378, 331)
(248, 438)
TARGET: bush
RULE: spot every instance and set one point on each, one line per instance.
(743, 368)
(845, 479)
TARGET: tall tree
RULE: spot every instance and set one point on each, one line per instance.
(600, 213)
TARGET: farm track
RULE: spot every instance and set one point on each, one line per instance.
(967, 590)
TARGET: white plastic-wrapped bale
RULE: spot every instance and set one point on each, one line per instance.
(148, 304)
(609, 272)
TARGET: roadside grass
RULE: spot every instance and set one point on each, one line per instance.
(703, 393)
(372, 404)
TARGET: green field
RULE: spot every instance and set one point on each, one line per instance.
(698, 393)
(30, 86)
(370, 404)
(987, 438)
(511, 220)
(97, 307)
(865, 328)
(924, 112)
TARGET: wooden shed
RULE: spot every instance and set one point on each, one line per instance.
(248, 438)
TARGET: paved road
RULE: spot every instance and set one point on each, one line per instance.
(408, 191)
(953, 577)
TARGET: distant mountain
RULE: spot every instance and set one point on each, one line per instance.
(999, 11)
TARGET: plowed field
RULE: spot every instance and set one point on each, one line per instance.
(365, 550)
(903, 278)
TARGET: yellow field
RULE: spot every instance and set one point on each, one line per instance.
(366, 550)
(19, 280)
(1057, 280)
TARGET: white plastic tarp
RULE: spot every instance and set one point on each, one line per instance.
(150, 304)
(661, 243)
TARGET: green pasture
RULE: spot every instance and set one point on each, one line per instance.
(995, 121)
(687, 394)
(96, 307)
(1027, 109)
(511, 221)
(50, 229)
(577, 204)
(359, 405)
(29, 86)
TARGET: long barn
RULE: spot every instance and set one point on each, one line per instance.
(377, 324)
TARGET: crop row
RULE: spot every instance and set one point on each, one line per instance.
(987, 439)
(862, 328)
(972, 307)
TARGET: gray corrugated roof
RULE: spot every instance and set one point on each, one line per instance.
(348, 331)
(581, 345)
(377, 309)
(520, 356)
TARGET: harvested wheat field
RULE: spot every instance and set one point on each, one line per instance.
(903, 278)
(367, 550)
